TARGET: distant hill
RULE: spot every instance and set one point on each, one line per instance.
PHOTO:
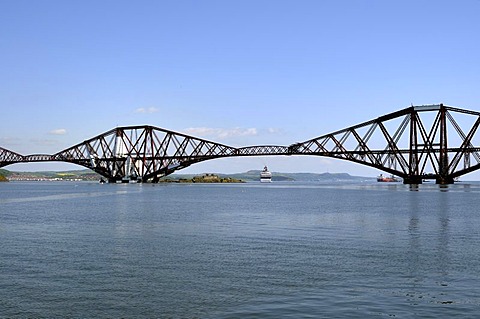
(254, 175)
(84, 174)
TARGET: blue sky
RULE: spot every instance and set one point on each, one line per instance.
(236, 72)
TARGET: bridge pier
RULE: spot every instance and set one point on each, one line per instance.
(412, 180)
(441, 180)
(444, 180)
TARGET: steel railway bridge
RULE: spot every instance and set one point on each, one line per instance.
(416, 143)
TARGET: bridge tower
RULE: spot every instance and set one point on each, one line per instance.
(444, 177)
(417, 150)
(413, 165)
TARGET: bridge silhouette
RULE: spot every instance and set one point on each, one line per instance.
(416, 143)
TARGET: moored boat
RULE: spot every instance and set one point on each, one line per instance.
(387, 179)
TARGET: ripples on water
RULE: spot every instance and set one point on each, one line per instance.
(283, 250)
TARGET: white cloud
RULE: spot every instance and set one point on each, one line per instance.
(148, 110)
(221, 133)
(273, 130)
(60, 131)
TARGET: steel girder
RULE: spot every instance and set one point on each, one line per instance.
(262, 150)
(141, 153)
(8, 157)
(402, 144)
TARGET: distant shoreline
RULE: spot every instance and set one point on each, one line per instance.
(252, 175)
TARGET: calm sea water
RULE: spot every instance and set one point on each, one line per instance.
(282, 250)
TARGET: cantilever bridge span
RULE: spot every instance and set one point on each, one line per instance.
(436, 142)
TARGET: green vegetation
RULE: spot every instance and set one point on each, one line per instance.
(82, 175)
(207, 178)
(3, 175)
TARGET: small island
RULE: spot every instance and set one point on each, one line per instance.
(206, 178)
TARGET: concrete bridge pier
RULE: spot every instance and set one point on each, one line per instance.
(412, 180)
(441, 180)
(444, 180)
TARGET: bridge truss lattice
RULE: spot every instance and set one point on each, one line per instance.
(415, 143)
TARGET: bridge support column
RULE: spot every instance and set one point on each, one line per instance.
(444, 180)
(412, 180)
